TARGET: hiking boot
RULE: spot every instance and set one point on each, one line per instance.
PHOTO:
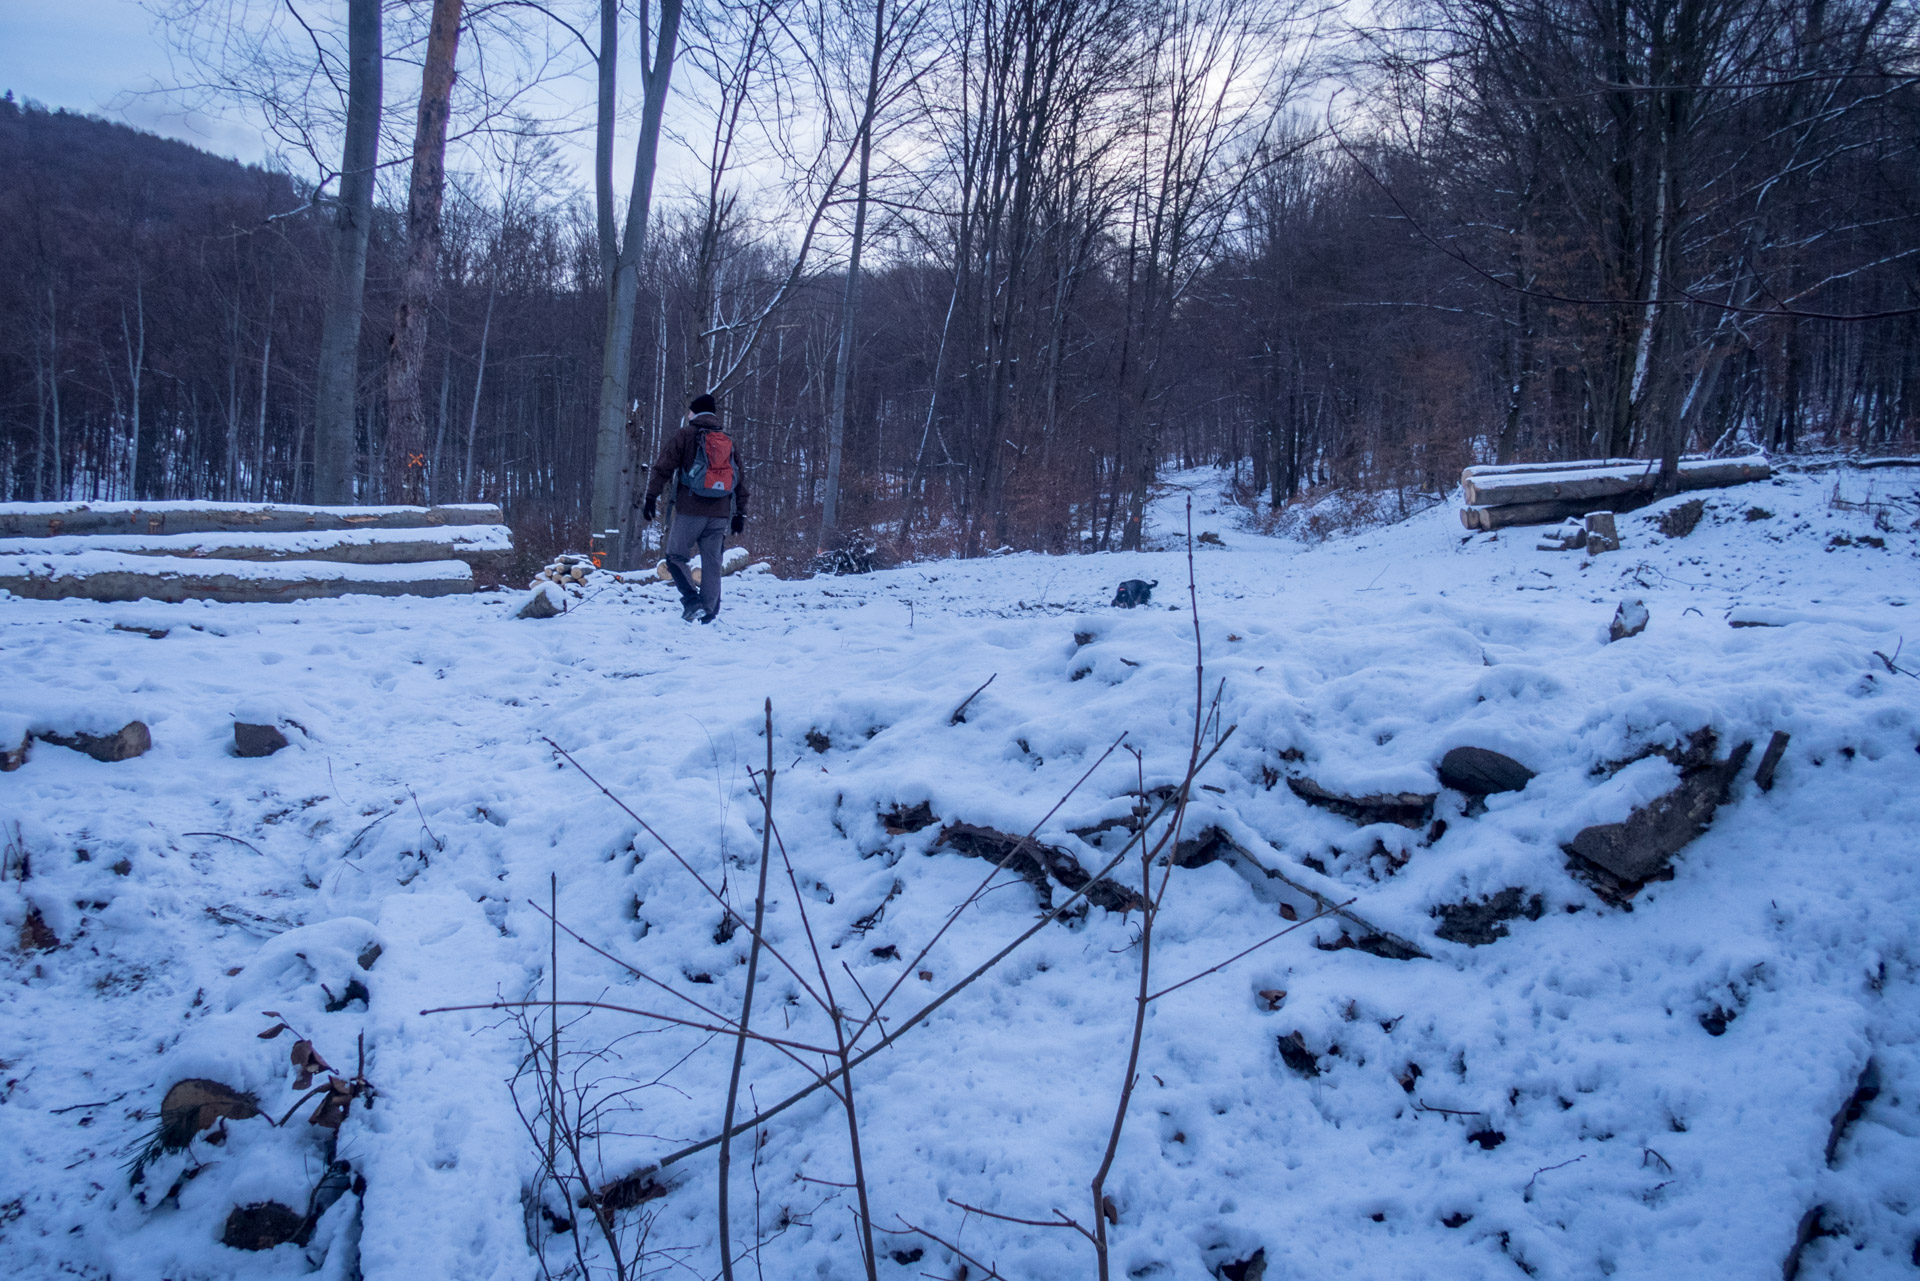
(688, 608)
(708, 618)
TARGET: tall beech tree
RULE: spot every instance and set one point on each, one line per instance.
(335, 417)
(408, 464)
(610, 517)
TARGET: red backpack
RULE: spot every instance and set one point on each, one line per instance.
(711, 474)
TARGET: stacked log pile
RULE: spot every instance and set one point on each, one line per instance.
(247, 551)
(1547, 493)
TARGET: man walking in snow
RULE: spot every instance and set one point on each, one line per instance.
(709, 501)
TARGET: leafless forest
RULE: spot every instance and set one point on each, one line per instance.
(966, 274)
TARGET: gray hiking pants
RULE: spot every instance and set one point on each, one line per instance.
(708, 532)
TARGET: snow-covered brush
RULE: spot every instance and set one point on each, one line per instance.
(571, 1132)
(196, 1105)
(339, 1092)
(1152, 850)
(571, 1116)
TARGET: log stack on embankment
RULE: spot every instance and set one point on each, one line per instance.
(179, 551)
(1547, 493)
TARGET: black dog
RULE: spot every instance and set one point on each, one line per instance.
(1134, 592)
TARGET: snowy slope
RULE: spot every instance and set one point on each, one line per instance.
(421, 808)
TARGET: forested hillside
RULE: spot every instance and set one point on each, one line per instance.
(1094, 240)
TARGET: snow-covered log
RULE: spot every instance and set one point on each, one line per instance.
(46, 520)
(477, 545)
(1498, 497)
(115, 576)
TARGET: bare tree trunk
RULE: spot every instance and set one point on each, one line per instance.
(850, 296)
(231, 481)
(434, 484)
(933, 405)
(338, 374)
(479, 376)
(259, 486)
(612, 460)
(1519, 375)
(53, 386)
(407, 348)
(136, 343)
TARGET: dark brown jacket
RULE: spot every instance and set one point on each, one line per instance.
(677, 455)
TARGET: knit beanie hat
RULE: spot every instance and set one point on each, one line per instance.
(702, 404)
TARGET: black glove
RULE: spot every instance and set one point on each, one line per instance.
(739, 523)
(647, 510)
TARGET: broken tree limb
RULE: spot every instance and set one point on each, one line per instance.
(1407, 809)
(1037, 862)
(959, 716)
(1324, 904)
(1770, 760)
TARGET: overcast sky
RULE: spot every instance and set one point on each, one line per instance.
(105, 58)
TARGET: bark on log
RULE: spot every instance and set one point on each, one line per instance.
(210, 584)
(1487, 519)
(1479, 470)
(130, 740)
(1506, 489)
(1639, 846)
(1505, 505)
(49, 520)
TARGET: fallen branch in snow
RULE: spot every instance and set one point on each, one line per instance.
(1005, 861)
(1398, 947)
(1526, 1193)
(959, 716)
(1892, 663)
(224, 837)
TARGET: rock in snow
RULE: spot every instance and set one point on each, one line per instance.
(257, 740)
(1630, 619)
(1480, 772)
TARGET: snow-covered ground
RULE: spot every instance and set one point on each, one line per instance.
(421, 807)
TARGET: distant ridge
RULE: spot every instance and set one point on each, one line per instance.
(86, 167)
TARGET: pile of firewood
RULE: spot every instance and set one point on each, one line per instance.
(570, 570)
